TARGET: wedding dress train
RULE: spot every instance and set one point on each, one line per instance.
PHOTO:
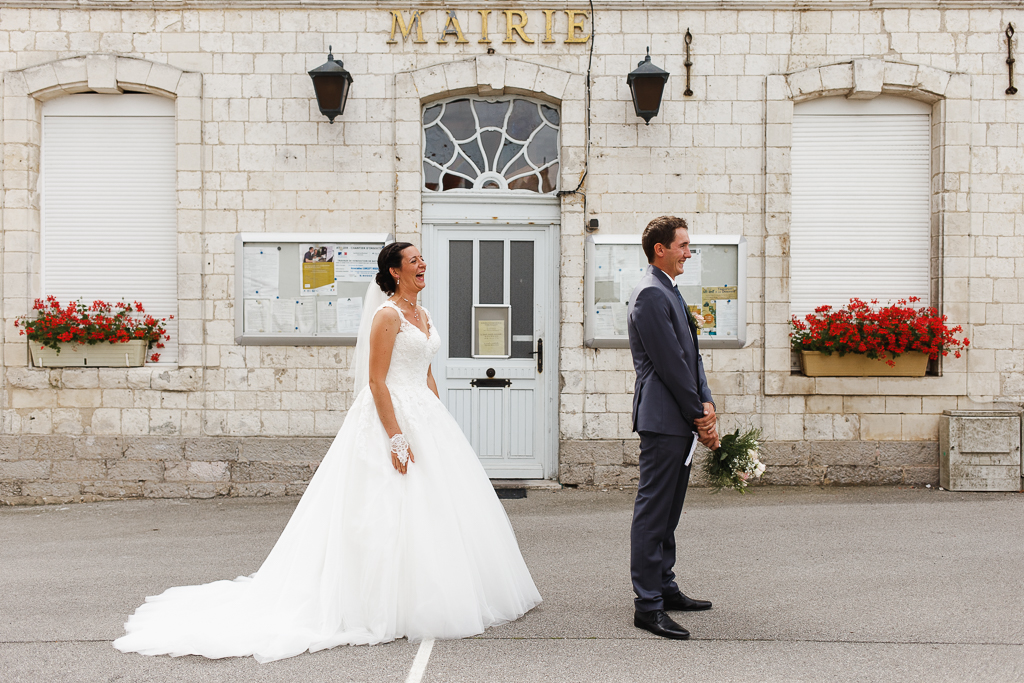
(369, 555)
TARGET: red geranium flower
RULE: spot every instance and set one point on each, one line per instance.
(93, 324)
(881, 333)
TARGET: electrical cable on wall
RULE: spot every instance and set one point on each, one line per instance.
(586, 151)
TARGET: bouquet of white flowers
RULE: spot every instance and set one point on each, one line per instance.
(735, 461)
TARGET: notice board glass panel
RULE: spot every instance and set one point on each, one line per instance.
(302, 289)
(713, 284)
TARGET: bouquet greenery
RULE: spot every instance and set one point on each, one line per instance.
(735, 461)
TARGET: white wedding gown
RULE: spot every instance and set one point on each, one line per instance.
(369, 555)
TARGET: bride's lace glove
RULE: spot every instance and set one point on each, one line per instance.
(401, 454)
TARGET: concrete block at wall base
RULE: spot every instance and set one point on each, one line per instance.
(113, 489)
(576, 475)
(829, 453)
(271, 449)
(10, 448)
(295, 488)
(98, 447)
(607, 453)
(786, 453)
(135, 470)
(610, 452)
(48, 491)
(920, 476)
(857, 475)
(258, 490)
(793, 476)
(631, 452)
(47, 447)
(150, 448)
(271, 471)
(25, 470)
(908, 453)
(179, 490)
(213, 450)
(616, 475)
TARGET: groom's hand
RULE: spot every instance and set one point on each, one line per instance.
(707, 427)
(709, 420)
(709, 439)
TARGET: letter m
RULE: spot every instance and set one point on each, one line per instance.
(398, 24)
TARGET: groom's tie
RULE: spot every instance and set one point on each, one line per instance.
(675, 288)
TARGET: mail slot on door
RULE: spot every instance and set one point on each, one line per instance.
(491, 383)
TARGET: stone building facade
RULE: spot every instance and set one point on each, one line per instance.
(255, 155)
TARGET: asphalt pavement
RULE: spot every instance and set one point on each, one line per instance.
(808, 584)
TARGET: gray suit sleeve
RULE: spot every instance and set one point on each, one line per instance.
(652, 322)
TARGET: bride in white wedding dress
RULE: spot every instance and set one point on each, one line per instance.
(399, 534)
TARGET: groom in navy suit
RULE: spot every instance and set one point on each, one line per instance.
(672, 407)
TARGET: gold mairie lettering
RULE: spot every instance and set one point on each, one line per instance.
(452, 28)
(518, 26)
(576, 19)
(547, 25)
(398, 23)
(484, 13)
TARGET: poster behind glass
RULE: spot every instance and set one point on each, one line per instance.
(303, 291)
(711, 285)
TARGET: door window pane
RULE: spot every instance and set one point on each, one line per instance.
(521, 295)
(460, 298)
(492, 272)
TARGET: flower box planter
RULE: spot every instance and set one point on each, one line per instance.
(817, 364)
(104, 354)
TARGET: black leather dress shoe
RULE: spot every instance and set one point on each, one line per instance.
(681, 603)
(660, 624)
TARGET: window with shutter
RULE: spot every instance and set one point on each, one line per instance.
(109, 225)
(861, 191)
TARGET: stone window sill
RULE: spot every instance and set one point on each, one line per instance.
(158, 367)
(787, 384)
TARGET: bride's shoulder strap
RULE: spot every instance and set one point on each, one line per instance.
(388, 304)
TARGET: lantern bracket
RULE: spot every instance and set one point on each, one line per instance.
(688, 38)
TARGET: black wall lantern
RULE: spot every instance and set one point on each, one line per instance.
(647, 83)
(331, 83)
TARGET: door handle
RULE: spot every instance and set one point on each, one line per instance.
(540, 355)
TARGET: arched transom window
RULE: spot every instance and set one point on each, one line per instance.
(477, 144)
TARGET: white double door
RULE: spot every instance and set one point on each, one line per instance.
(492, 293)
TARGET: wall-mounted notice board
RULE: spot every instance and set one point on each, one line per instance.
(714, 282)
(302, 289)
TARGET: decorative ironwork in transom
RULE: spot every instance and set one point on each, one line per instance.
(478, 144)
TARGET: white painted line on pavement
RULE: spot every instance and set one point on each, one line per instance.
(419, 665)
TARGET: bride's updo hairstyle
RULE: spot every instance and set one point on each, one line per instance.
(390, 257)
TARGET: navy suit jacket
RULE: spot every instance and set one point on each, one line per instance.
(670, 384)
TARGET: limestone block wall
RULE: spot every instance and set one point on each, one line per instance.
(256, 155)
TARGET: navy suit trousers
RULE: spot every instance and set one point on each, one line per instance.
(659, 502)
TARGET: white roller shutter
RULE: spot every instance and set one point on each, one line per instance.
(109, 205)
(861, 191)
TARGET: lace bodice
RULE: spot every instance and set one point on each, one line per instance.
(413, 351)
